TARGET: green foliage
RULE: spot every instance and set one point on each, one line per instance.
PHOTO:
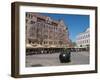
(65, 49)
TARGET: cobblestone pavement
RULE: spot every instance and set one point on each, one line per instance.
(53, 59)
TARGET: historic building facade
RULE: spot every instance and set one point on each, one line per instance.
(43, 31)
(83, 39)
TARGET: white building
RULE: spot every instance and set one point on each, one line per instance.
(83, 39)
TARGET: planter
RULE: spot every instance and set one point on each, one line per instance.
(64, 57)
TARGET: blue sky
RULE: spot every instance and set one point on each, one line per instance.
(76, 23)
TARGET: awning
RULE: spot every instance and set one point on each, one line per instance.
(53, 46)
(29, 46)
(39, 46)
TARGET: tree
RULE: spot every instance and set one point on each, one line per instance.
(74, 44)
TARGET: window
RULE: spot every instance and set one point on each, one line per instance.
(50, 42)
(29, 41)
(32, 22)
(85, 36)
(32, 34)
(29, 15)
(45, 42)
(87, 41)
(88, 35)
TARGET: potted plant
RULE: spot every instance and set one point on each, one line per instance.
(64, 56)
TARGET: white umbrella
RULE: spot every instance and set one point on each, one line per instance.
(53, 46)
(39, 46)
(29, 46)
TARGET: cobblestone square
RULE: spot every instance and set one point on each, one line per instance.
(53, 59)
